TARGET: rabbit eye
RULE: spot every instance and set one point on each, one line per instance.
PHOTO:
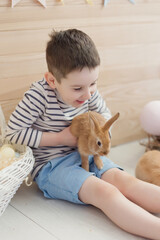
(99, 143)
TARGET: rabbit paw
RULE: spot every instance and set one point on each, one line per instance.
(98, 161)
(99, 165)
(85, 165)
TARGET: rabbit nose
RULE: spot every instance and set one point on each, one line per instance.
(105, 152)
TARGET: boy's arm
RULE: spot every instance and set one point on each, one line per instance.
(61, 138)
(20, 126)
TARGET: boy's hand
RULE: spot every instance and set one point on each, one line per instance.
(64, 137)
(67, 138)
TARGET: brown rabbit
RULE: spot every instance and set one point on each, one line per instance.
(148, 167)
(92, 132)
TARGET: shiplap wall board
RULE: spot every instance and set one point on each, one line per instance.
(127, 37)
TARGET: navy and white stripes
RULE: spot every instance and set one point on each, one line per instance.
(42, 110)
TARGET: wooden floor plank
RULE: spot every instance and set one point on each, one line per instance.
(68, 221)
(14, 225)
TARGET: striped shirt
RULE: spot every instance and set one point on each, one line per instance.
(43, 110)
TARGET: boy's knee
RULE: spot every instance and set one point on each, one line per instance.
(96, 190)
(122, 180)
(125, 181)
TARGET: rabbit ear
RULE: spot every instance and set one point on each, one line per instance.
(110, 122)
(93, 122)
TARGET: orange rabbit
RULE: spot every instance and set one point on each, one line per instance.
(92, 132)
(148, 167)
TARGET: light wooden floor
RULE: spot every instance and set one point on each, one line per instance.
(31, 216)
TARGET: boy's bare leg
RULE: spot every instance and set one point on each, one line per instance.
(142, 193)
(119, 209)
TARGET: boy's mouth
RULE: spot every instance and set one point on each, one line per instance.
(80, 102)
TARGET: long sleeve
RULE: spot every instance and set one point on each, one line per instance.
(21, 129)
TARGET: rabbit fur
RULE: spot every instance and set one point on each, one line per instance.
(92, 132)
(148, 167)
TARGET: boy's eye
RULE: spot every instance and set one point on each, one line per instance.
(77, 89)
(80, 88)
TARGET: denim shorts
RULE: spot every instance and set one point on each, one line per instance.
(62, 178)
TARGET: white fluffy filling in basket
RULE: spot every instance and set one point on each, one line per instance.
(8, 156)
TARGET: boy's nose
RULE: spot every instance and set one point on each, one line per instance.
(87, 95)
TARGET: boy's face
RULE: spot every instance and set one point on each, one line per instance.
(78, 86)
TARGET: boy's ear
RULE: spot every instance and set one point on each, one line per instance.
(50, 79)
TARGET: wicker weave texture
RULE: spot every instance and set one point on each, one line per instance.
(12, 176)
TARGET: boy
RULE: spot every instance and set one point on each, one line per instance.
(42, 119)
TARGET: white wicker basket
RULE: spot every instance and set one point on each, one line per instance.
(12, 176)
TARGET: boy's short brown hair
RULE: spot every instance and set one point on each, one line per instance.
(70, 50)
